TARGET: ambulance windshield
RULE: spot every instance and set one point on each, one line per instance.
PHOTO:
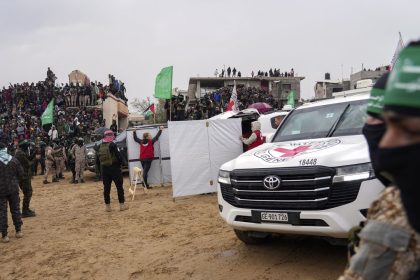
(339, 119)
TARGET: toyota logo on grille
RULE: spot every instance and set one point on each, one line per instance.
(272, 182)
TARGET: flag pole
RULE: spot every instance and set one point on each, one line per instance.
(402, 42)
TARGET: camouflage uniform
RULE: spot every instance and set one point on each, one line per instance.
(25, 179)
(389, 246)
(79, 153)
(72, 163)
(49, 164)
(59, 155)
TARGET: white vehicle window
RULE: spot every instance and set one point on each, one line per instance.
(353, 120)
(323, 121)
(273, 121)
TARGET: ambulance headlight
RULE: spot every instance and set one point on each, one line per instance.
(224, 177)
(356, 172)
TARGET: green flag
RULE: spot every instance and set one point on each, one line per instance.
(163, 84)
(291, 99)
(48, 115)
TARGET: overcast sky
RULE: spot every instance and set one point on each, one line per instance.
(134, 39)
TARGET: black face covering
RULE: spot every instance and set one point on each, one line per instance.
(403, 164)
(373, 134)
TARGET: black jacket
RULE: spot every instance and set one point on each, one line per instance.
(9, 177)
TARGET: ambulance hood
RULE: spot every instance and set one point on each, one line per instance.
(331, 152)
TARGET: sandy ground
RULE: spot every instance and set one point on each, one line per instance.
(72, 237)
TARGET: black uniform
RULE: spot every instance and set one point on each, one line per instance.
(25, 181)
(113, 173)
(10, 173)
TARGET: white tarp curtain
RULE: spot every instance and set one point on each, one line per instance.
(160, 171)
(198, 149)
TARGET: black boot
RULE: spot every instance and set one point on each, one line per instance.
(28, 213)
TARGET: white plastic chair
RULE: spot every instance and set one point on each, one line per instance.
(137, 179)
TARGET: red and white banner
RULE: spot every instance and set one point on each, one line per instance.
(233, 103)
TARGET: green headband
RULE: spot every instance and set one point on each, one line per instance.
(23, 143)
(376, 100)
(403, 88)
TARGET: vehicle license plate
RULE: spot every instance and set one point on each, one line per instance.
(274, 217)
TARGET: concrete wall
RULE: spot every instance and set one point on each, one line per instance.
(281, 90)
(362, 75)
(113, 107)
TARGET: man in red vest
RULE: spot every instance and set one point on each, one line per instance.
(147, 151)
(256, 137)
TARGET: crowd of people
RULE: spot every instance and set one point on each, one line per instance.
(230, 72)
(216, 102)
(274, 73)
(270, 73)
(29, 147)
(75, 110)
(385, 246)
(76, 118)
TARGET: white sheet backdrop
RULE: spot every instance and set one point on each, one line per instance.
(198, 149)
(160, 172)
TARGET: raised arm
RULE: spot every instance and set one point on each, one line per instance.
(136, 138)
(158, 134)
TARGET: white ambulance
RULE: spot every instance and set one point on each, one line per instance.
(314, 178)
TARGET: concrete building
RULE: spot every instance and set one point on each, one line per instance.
(325, 88)
(374, 75)
(78, 77)
(115, 108)
(279, 87)
(112, 108)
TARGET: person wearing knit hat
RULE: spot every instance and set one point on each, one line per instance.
(374, 128)
(389, 244)
(399, 150)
